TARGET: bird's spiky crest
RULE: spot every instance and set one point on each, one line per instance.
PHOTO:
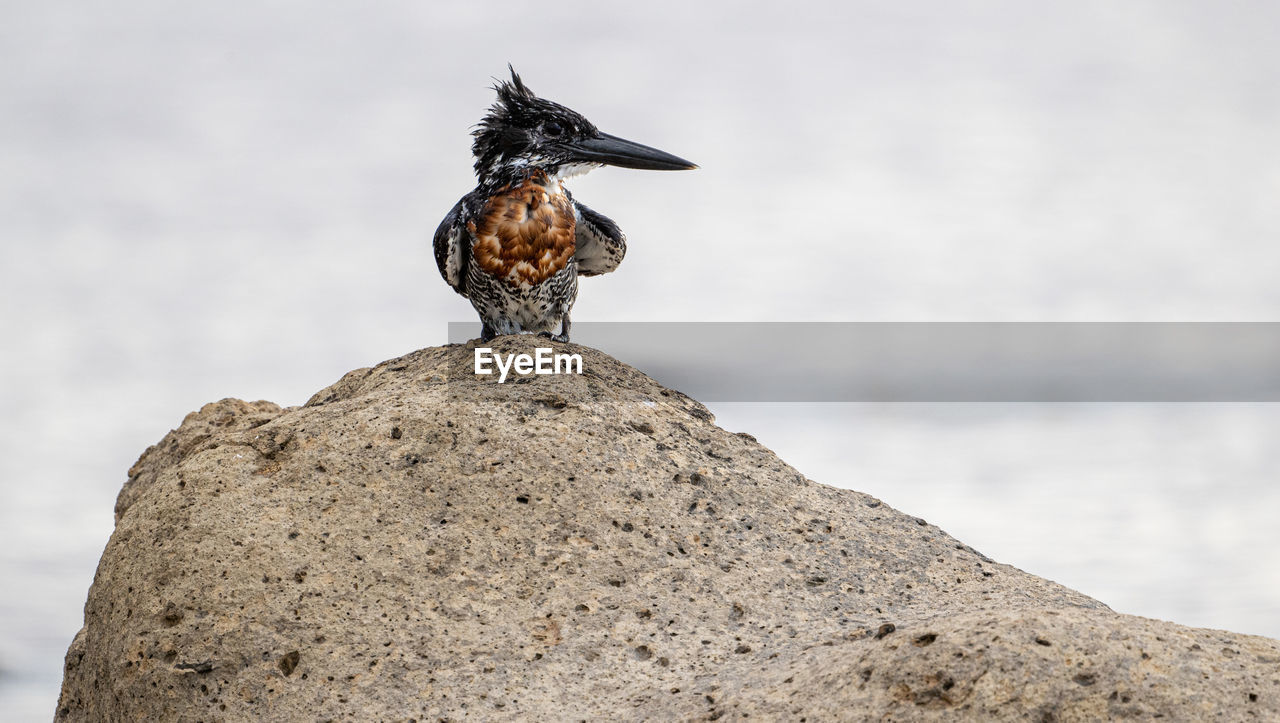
(508, 91)
(513, 98)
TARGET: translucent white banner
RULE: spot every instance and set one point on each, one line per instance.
(944, 362)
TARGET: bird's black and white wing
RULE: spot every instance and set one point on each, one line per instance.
(600, 244)
(453, 248)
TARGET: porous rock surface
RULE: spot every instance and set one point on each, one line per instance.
(420, 543)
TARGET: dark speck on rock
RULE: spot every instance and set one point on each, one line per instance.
(1085, 678)
(289, 661)
(204, 666)
(643, 427)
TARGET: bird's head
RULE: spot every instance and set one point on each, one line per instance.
(523, 133)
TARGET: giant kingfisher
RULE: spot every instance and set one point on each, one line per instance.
(516, 245)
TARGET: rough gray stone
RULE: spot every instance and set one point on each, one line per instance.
(420, 543)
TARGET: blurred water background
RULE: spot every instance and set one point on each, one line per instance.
(206, 200)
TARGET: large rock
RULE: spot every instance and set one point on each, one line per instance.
(420, 543)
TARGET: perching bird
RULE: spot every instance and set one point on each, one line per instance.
(516, 245)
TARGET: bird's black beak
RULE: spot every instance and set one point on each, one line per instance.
(615, 151)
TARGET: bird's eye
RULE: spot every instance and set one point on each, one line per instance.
(552, 128)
